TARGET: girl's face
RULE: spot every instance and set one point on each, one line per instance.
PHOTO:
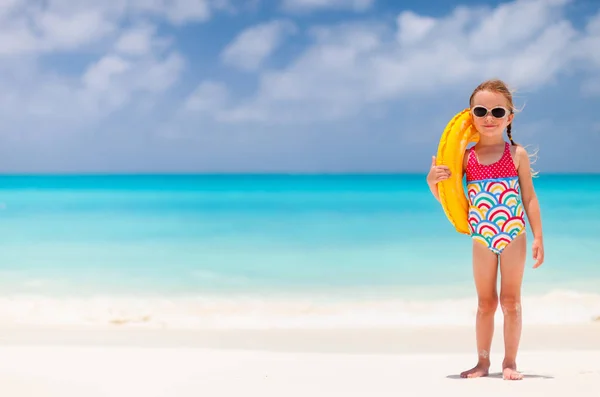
(491, 113)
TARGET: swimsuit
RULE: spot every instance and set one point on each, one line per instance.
(496, 215)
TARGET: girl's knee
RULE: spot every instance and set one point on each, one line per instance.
(488, 304)
(511, 304)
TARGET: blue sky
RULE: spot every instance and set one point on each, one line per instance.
(287, 85)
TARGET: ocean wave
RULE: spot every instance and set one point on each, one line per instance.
(243, 312)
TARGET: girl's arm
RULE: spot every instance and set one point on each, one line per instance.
(440, 173)
(530, 203)
(436, 174)
(434, 189)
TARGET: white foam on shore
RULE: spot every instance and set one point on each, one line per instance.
(557, 307)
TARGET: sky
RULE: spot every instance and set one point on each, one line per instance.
(287, 86)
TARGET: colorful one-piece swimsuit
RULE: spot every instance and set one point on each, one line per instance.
(496, 215)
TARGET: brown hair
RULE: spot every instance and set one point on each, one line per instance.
(499, 86)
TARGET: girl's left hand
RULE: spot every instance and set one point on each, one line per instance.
(538, 252)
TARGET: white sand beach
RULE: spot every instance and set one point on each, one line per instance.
(556, 361)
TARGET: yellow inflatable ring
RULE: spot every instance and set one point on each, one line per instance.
(459, 132)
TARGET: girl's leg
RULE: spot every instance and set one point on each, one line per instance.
(485, 272)
(512, 266)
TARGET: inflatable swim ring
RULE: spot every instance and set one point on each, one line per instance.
(459, 132)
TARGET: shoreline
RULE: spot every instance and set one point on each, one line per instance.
(369, 310)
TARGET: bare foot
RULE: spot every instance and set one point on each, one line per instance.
(477, 371)
(509, 372)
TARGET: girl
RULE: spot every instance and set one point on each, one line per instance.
(500, 189)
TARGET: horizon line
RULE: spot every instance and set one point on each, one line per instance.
(253, 173)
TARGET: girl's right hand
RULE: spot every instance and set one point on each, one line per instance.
(437, 173)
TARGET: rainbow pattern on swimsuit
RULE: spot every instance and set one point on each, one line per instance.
(496, 214)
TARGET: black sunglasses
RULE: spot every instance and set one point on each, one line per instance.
(498, 112)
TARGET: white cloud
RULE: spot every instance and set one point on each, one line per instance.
(136, 41)
(175, 11)
(50, 102)
(34, 30)
(323, 83)
(127, 64)
(158, 75)
(41, 27)
(311, 5)
(209, 96)
(126, 68)
(252, 46)
(181, 11)
(71, 31)
(98, 76)
(589, 55)
(413, 27)
(528, 43)
(114, 82)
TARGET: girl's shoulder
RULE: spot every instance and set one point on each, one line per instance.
(519, 155)
(466, 159)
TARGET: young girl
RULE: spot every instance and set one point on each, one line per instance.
(500, 189)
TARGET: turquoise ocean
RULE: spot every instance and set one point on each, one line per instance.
(271, 251)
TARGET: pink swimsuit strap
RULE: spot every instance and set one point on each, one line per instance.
(503, 168)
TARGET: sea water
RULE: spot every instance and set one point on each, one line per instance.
(271, 251)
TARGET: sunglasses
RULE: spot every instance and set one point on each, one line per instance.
(481, 111)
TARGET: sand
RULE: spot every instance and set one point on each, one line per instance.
(556, 360)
